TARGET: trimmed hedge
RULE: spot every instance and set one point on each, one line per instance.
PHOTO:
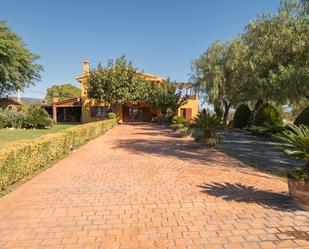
(20, 159)
(303, 117)
(267, 116)
(241, 116)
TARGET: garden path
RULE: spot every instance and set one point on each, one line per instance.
(142, 186)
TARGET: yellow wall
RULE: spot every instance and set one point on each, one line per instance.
(192, 104)
(87, 103)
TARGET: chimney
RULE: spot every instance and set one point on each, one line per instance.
(55, 98)
(86, 67)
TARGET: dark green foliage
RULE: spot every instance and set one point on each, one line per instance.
(267, 115)
(117, 83)
(17, 64)
(303, 117)
(175, 127)
(111, 115)
(37, 117)
(299, 174)
(178, 123)
(296, 144)
(205, 127)
(164, 97)
(184, 130)
(241, 116)
(166, 119)
(2, 120)
(179, 120)
(296, 140)
(64, 91)
(267, 131)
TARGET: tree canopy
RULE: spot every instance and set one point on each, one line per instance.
(17, 63)
(117, 83)
(120, 83)
(165, 96)
(268, 62)
(278, 55)
(64, 91)
(219, 72)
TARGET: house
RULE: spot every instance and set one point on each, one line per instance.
(84, 109)
(10, 103)
(191, 108)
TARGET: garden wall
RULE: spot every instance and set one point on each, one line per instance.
(20, 159)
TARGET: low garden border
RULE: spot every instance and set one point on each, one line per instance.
(22, 158)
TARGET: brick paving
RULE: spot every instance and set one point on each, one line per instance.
(140, 186)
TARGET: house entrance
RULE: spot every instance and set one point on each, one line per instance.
(136, 114)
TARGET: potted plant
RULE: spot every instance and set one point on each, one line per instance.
(296, 140)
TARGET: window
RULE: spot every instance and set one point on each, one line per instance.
(98, 111)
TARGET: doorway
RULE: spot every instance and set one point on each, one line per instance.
(136, 114)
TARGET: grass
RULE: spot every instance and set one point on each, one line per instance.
(7, 135)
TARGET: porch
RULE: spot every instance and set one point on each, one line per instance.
(67, 111)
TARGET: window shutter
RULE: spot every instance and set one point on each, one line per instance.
(188, 114)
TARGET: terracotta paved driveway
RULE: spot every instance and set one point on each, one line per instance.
(139, 186)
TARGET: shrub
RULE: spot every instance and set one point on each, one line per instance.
(267, 131)
(199, 137)
(11, 118)
(37, 117)
(267, 115)
(19, 159)
(296, 144)
(176, 126)
(180, 124)
(111, 115)
(204, 128)
(1, 120)
(166, 119)
(303, 117)
(179, 120)
(241, 116)
(184, 130)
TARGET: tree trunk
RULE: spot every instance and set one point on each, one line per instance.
(257, 106)
(227, 106)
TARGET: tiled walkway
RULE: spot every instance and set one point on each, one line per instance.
(140, 186)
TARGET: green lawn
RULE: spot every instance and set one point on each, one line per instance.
(7, 136)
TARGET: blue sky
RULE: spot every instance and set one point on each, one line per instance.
(161, 37)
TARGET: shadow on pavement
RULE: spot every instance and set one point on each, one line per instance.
(249, 194)
(258, 152)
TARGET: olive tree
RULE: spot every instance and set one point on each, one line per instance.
(219, 73)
